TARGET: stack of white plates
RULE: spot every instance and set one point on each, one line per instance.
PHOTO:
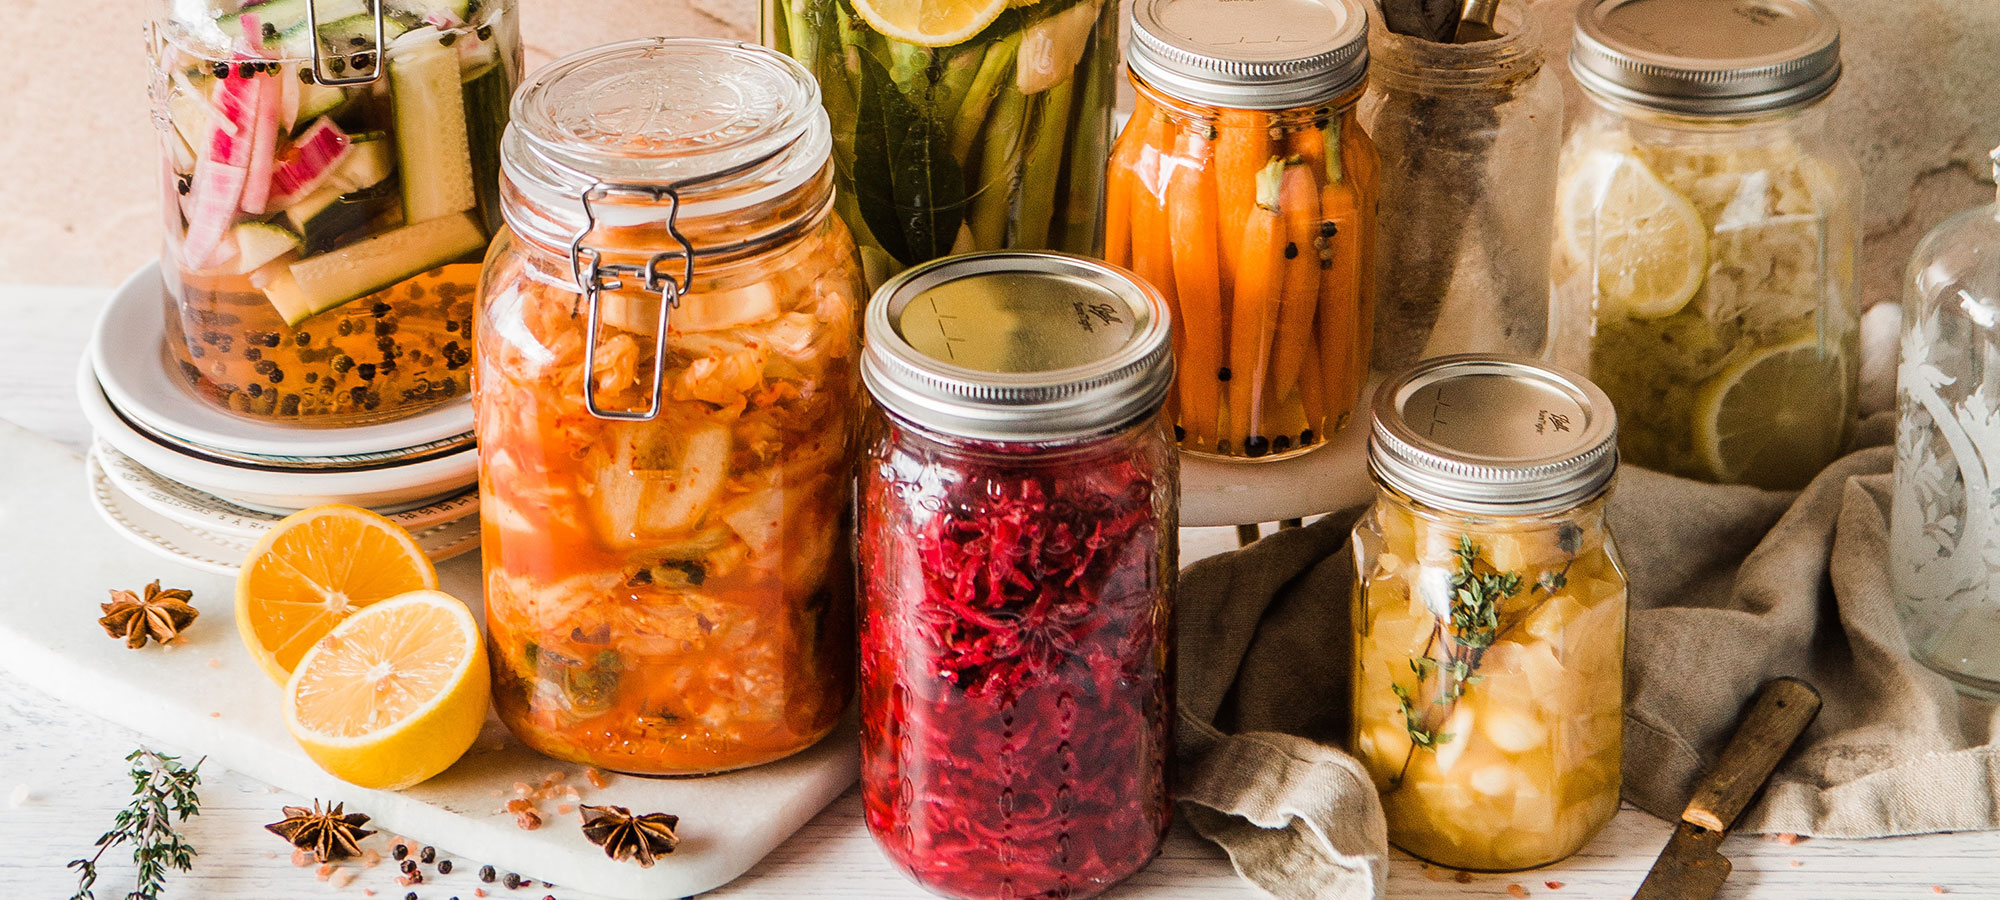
(187, 479)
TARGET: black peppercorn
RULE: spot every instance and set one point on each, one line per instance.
(243, 70)
(221, 70)
(401, 851)
(512, 881)
(444, 867)
(486, 874)
(410, 896)
(429, 855)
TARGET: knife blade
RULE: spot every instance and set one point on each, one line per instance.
(1692, 866)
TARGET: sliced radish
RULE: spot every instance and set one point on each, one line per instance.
(315, 155)
(216, 188)
(264, 150)
(443, 20)
(235, 106)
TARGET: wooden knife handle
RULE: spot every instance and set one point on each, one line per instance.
(1781, 712)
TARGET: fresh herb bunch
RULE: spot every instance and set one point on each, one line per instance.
(1474, 627)
(163, 794)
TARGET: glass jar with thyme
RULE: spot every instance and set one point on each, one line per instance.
(1244, 190)
(1707, 235)
(960, 125)
(1490, 613)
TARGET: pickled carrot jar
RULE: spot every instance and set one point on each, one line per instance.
(1490, 613)
(666, 406)
(1244, 190)
(331, 178)
(1017, 547)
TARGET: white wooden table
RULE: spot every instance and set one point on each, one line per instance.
(70, 765)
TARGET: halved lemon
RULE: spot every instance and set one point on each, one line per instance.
(1775, 419)
(930, 23)
(313, 570)
(394, 695)
(1646, 242)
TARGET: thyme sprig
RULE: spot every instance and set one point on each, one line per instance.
(163, 793)
(1476, 598)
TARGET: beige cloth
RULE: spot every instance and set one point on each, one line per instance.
(1731, 586)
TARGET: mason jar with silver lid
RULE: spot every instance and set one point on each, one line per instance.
(1708, 232)
(1244, 190)
(1490, 613)
(1017, 552)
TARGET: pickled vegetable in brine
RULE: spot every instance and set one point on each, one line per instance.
(1488, 688)
(327, 198)
(673, 595)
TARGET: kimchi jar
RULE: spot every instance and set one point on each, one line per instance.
(1244, 190)
(1708, 232)
(1017, 547)
(1490, 614)
(667, 406)
(330, 173)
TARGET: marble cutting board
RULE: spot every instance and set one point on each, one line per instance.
(205, 696)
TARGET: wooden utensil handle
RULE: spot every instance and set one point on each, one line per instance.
(1783, 709)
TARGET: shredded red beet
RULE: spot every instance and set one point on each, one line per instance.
(1015, 665)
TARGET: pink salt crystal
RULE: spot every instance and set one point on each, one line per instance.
(323, 871)
(371, 858)
(564, 809)
(299, 858)
(343, 878)
(595, 777)
(214, 663)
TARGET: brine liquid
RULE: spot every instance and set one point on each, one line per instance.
(379, 357)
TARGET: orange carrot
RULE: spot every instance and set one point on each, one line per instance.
(1343, 339)
(1119, 186)
(1242, 146)
(1252, 317)
(1364, 167)
(1152, 258)
(1311, 397)
(1191, 216)
(1298, 196)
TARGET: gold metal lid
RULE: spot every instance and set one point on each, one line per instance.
(1504, 435)
(1017, 346)
(1707, 57)
(1250, 54)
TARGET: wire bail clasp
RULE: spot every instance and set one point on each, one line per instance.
(377, 58)
(594, 277)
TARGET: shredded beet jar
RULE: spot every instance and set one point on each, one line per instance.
(1016, 650)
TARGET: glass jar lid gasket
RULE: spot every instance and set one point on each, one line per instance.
(1017, 346)
(1493, 434)
(1707, 57)
(1250, 54)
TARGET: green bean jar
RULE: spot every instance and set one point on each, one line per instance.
(960, 125)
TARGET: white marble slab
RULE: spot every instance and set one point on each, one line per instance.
(206, 695)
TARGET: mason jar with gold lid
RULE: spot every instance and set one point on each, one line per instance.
(1490, 613)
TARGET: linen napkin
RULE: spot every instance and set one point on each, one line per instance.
(1730, 586)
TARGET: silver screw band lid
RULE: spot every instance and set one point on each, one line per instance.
(1707, 57)
(1017, 346)
(1250, 54)
(1499, 435)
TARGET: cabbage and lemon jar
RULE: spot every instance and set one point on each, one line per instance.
(667, 406)
(1489, 613)
(1707, 235)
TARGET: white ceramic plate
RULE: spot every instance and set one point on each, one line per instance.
(276, 490)
(129, 354)
(223, 554)
(207, 512)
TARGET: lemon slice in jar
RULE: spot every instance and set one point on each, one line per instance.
(1646, 241)
(930, 23)
(394, 695)
(1775, 419)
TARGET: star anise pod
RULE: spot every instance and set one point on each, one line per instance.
(329, 835)
(161, 615)
(642, 839)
